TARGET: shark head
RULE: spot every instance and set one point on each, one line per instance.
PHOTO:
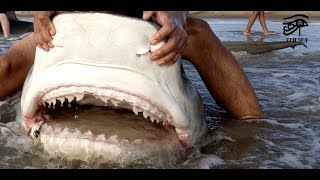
(97, 94)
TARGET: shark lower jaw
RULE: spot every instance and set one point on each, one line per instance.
(106, 134)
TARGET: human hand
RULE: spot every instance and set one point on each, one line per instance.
(172, 25)
(44, 29)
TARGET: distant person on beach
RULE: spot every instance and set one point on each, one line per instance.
(262, 20)
(4, 21)
(188, 37)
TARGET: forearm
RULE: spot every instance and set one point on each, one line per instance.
(231, 88)
(220, 71)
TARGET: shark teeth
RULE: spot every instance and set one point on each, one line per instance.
(79, 97)
(152, 119)
(114, 102)
(70, 98)
(145, 114)
(104, 99)
(65, 132)
(77, 132)
(61, 99)
(125, 141)
(101, 137)
(57, 131)
(48, 130)
(87, 135)
(108, 97)
(51, 102)
(113, 139)
(137, 141)
(136, 110)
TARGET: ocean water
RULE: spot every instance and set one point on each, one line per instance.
(287, 84)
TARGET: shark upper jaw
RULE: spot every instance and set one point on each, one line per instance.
(153, 100)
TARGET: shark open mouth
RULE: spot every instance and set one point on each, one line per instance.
(116, 99)
(98, 95)
(90, 123)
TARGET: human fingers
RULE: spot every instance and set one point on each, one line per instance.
(43, 39)
(52, 29)
(175, 54)
(163, 32)
(175, 59)
(167, 59)
(147, 14)
(174, 43)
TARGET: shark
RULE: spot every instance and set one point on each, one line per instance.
(97, 95)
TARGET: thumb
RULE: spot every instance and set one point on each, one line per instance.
(147, 14)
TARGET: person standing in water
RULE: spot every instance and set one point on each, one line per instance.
(262, 20)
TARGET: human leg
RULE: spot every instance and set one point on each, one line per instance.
(262, 20)
(220, 71)
(5, 25)
(15, 65)
(251, 21)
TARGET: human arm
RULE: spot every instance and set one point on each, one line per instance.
(220, 71)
